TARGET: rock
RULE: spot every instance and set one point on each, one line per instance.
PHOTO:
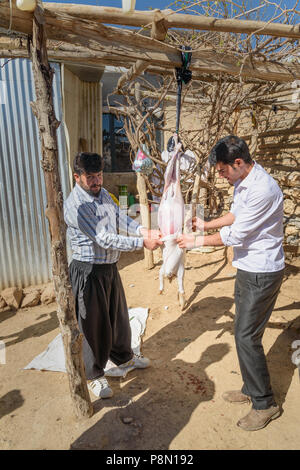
(293, 194)
(294, 178)
(48, 296)
(12, 296)
(31, 299)
(2, 302)
(127, 420)
(292, 240)
(292, 221)
(291, 230)
(289, 206)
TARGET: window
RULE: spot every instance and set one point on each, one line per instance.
(116, 147)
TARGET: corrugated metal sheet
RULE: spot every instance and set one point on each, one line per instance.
(24, 241)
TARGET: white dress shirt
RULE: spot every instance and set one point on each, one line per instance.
(257, 232)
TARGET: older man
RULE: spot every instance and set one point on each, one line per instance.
(94, 222)
(254, 227)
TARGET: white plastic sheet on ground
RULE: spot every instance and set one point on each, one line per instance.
(53, 358)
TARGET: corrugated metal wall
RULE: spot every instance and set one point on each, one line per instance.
(24, 235)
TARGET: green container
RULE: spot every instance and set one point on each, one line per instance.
(131, 200)
(123, 190)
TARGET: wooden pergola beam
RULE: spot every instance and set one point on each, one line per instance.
(89, 60)
(175, 20)
(204, 62)
(69, 54)
(137, 69)
(83, 56)
(171, 97)
(207, 64)
(110, 43)
(63, 27)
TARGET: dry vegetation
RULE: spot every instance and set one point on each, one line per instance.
(213, 102)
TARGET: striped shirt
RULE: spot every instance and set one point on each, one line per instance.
(97, 229)
(257, 232)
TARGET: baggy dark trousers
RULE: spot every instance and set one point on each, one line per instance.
(102, 315)
(255, 296)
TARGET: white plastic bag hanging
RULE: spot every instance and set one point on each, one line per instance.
(143, 163)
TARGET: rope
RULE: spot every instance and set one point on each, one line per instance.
(182, 75)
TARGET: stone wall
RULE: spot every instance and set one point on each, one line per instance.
(112, 181)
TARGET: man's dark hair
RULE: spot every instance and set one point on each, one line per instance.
(228, 149)
(87, 162)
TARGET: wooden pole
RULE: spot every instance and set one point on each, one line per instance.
(145, 216)
(110, 43)
(137, 69)
(143, 199)
(253, 143)
(175, 20)
(44, 111)
(159, 26)
(68, 53)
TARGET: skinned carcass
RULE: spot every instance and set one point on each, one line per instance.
(170, 222)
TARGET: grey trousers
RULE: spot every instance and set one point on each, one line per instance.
(102, 315)
(255, 296)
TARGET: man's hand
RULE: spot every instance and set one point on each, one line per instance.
(152, 238)
(151, 234)
(152, 244)
(194, 224)
(198, 223)
(189, 241)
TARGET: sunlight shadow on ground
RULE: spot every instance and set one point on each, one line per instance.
(10, 402)
(32, 331)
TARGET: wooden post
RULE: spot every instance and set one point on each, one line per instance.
(143, 199)
(145, 216)
(253, 143)
(44, 111)
(138, 18)
(137, 69)
(159, 26)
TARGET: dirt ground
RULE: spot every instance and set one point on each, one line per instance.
(176, 404)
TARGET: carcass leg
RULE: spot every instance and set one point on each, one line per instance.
(180, 277)
(161, 279)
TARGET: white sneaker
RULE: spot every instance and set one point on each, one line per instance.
(100, 387)
(138, 361)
